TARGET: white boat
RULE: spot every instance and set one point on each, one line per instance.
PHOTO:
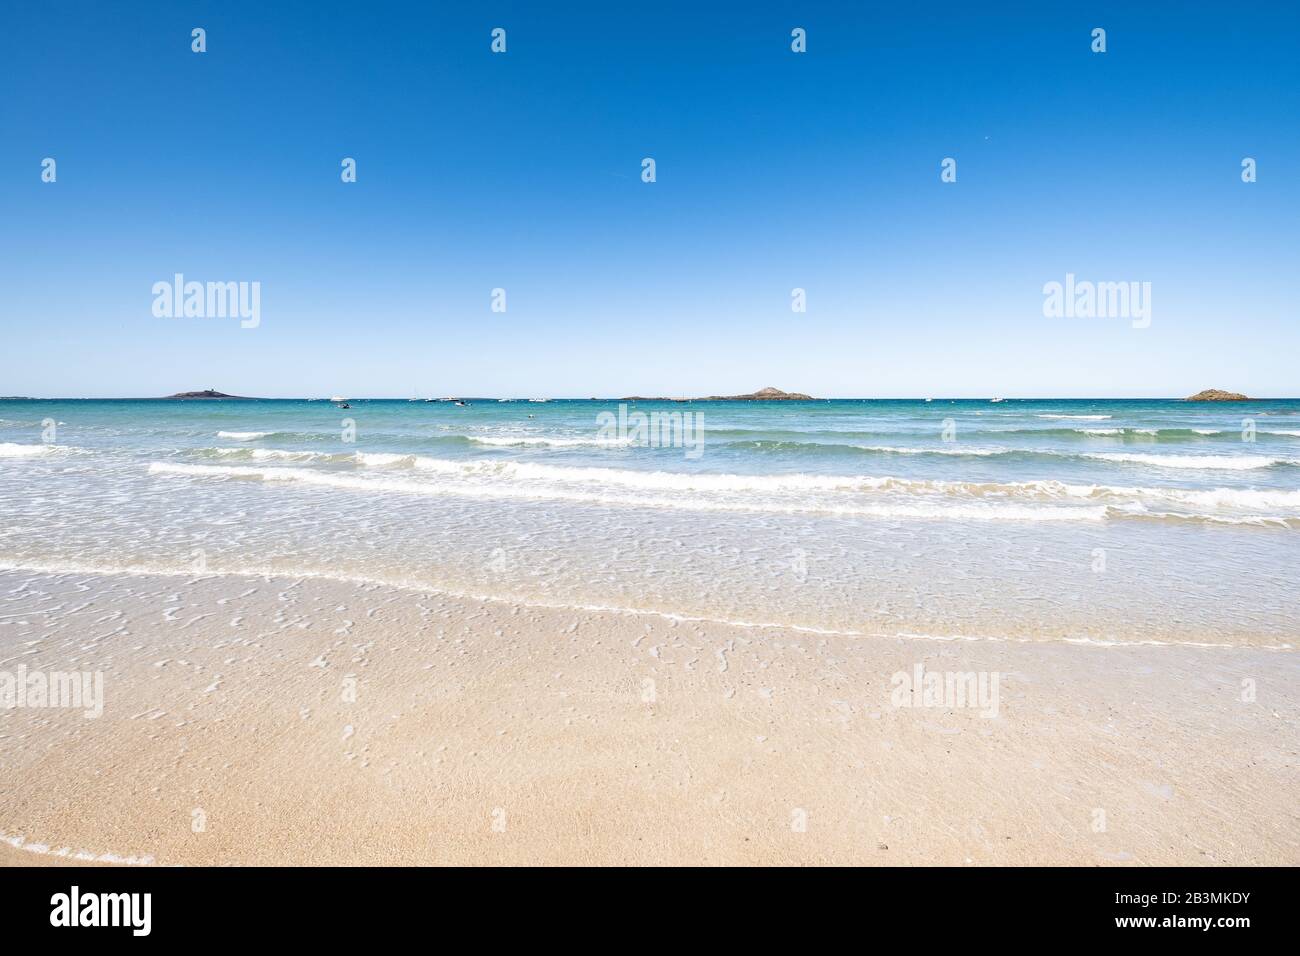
(337, 398)
(994, 401)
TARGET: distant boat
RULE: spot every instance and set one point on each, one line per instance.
(994, 401)
(460, 403)
(343, 405)
(539, 399)
(337, 398)
(929, 399)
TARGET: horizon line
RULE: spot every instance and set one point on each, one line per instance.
(612, 398)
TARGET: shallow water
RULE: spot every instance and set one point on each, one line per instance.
(1028, 520)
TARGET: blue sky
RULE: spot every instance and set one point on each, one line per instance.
(775, 170)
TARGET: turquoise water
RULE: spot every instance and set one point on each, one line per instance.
(1097, 520)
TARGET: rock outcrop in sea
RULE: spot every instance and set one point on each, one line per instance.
(762, 395)
(206, 393)
(1217, 395)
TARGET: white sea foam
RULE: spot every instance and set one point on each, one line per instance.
(504, 472)
(1199, 462)
(946, 450)
(484, 470)
(849, 496)
(1081, 418)
(273, 454)
(381, 459)
(244, 436)
(13, 450)
(1216, 497)
(64, 852)
(513, 440)
(557, 491)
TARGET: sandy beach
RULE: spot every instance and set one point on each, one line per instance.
(820, 434)
(249, 720)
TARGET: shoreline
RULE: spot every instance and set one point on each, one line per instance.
(492, 732)
(417, 587)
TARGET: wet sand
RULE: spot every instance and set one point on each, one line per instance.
(275, 721)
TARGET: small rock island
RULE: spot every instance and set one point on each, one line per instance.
(206, 393)
(762, 395)
(1217, 395)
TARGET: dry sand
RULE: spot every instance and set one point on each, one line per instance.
(486, 733)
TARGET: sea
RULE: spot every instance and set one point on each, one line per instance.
(1099, 522)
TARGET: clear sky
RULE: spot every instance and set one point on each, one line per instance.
(775, 170)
